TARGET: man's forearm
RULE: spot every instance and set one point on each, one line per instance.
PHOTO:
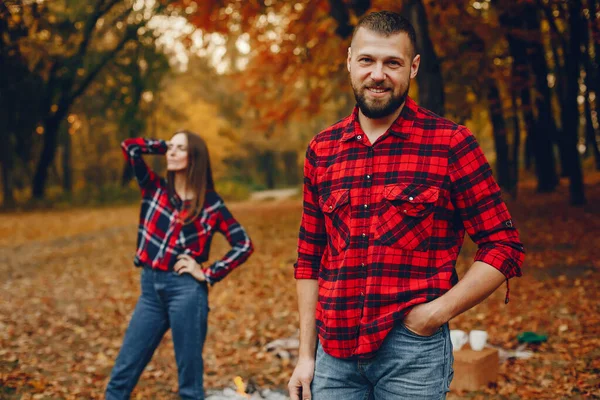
(308, 292)
(480, 281)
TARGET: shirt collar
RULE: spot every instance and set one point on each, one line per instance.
(401, 127)
(177, 202)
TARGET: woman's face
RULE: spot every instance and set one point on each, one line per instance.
(177, 153)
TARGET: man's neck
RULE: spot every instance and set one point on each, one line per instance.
(375, 127)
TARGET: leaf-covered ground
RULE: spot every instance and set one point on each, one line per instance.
(68, 289)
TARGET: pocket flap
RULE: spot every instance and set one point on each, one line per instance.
(334, 199)
(411, 192)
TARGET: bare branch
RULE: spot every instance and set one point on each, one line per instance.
(130, 34)
(90, 25)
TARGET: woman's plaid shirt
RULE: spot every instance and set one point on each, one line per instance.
(161, 234)
(383, 223)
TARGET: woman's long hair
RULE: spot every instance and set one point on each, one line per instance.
(199, 176)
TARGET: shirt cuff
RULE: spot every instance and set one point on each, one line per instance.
(304, 269)
(506, 260)
(208, 277)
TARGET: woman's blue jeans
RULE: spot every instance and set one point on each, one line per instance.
(168, 300)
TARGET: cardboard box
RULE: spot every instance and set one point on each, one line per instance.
(474, 369)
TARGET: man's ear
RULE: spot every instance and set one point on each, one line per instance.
(349, 58)
(414, 67)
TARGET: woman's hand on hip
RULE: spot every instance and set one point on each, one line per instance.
(187, 265)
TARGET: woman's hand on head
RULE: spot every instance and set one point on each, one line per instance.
(187, 265)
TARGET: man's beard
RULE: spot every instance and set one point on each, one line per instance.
(378, 110)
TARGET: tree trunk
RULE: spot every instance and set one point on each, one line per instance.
(571, 127)
(591, 143)
(429, 78)
(521, 82)
(538, 145)
(290, 165)
(51, 127)
(500, 142)
(339, 12)
(520, 76)
(590, 132)
(514, 170)
(66, 163)
(558, 42)
(596, 36)
(527, 110)
(7, 184)
(544, 128)
(267, 165)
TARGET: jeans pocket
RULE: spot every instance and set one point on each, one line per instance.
(408, 332)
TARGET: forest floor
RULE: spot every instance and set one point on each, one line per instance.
(68, 290)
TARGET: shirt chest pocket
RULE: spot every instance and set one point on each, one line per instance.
(405, 216)
(336, 209)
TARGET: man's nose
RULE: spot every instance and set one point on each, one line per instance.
(377, 73)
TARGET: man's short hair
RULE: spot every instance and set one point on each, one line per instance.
(387, 23)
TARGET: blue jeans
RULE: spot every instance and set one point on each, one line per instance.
(407, 366)
(168, 300)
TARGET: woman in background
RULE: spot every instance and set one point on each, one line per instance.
(178, 219)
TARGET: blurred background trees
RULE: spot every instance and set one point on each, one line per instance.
(258, 79)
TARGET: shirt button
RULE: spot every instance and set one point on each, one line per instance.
(411, 198)
(404, 211)
(362, 294)
(331, 207)
(364, 235)
(362, 265)
(368, 176)
(366, 206)
(359, 137)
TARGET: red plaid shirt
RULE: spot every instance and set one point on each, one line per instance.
(383, 223)
(161, 234)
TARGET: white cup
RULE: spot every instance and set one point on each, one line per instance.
(458, 338)
(477, 339)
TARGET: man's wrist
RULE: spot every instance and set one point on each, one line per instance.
(306, 358)
(440, 313)
(307, 353)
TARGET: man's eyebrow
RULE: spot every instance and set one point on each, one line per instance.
(398, 57)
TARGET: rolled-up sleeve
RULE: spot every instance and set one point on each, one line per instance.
(133, 149)
(477, 198)
(313, 237)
